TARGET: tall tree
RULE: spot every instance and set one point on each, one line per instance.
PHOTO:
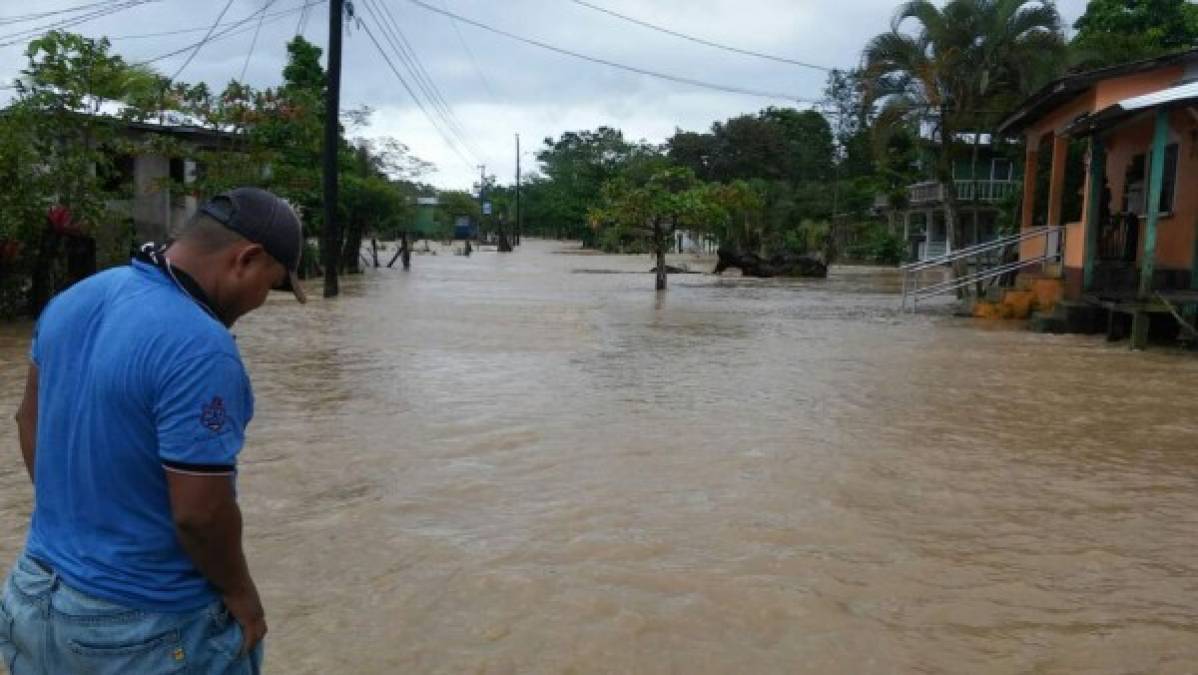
(1118, 31)
(958, 61)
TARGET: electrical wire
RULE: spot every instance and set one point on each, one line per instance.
(254, 42)
(23, 18)
(470, 53)
(425, 81)
(229, 32)
(200, 29)
(466, 162)
(201, 43)
(699, 40)
(453, 132)
(109, 9)
(612, 64)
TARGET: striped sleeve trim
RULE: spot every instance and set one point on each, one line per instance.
(199, 469)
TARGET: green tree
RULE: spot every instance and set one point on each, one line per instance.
(60, 94)
(577, 165)
(958, 62)
(654, 208)
(1118, 31)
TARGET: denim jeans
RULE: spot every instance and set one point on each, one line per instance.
(48, 628)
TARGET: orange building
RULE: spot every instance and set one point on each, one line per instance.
(1130, 241)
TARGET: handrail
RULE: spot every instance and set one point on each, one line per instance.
(911, 270)
(981, 275)
(983, 247)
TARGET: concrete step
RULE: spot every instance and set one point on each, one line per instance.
(1070, 317)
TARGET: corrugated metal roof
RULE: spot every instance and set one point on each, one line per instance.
(1130, 107)
(1175, 94)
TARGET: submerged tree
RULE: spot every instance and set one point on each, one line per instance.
(654, 208)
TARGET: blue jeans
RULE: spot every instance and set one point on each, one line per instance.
(47, 628)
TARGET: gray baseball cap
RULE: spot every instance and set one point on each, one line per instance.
(263, 218)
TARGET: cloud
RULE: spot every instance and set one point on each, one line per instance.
(509, 87)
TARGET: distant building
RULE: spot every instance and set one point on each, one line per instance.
(156, 208)
(923, 215)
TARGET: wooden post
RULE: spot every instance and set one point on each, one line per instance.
(1094, 208)
(1056, 186)
(1156, 179)
(331, 243)
(1030, 165)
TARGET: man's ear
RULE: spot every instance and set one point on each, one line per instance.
(248, 255)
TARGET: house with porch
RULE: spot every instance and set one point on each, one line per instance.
(983, 187)
(1130, 250)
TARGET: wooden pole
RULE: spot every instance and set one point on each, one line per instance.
(519, 219)
(1094, 208)
(1156, 179)
(332, 233)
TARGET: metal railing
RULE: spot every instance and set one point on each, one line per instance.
(982, 190)
(981, 257)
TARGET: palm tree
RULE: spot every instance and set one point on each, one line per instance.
(957, 71)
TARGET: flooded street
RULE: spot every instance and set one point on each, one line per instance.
(517, 464)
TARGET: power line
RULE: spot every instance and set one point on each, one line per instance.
(416, 99)
(450, 132)
(414, 66)
(302, 24)
(699, 40)
(200, 29)
(110, 8)
(470, 53)
(254, 43)
(22, 18)
(201, 43)
(594, 59)
(229, 32)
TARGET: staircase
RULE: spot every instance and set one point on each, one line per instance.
(1033, 293)
(992, 262)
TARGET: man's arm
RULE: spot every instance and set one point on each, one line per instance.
(208, 524)
(27, 421)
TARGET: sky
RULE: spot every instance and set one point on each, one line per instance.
(491, 86)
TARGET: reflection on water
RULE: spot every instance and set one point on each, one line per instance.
(496, 465)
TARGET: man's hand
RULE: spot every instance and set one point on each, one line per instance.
(208, 524)
(246, 608)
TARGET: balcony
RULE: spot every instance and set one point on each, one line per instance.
(932, 192)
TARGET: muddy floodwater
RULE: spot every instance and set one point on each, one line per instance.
(532, 463)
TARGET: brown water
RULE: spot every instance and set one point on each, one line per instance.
(500, 465)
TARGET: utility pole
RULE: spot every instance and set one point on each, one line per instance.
(331, 243)
(519, 222)
(482, 197)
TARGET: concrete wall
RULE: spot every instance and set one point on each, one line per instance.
(1176, 232)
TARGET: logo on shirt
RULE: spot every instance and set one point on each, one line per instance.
(213, 415)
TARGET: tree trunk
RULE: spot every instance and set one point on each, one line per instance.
(659, 246)
(374, 251)
(351, 250)
(954, 228)
(406, 252)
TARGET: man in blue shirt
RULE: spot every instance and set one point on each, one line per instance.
(135, 410)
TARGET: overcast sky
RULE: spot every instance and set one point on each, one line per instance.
(509, 87)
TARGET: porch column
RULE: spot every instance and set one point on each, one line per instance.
(1030, 164)
(1056, 186)
(1156, 179)
(1094, 195)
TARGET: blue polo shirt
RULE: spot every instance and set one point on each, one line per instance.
(135, 378)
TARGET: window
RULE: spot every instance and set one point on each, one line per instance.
(1135, 198)
(1002, 169)
(118, 176)
(178, 171)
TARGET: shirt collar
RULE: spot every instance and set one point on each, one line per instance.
(153, 256)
